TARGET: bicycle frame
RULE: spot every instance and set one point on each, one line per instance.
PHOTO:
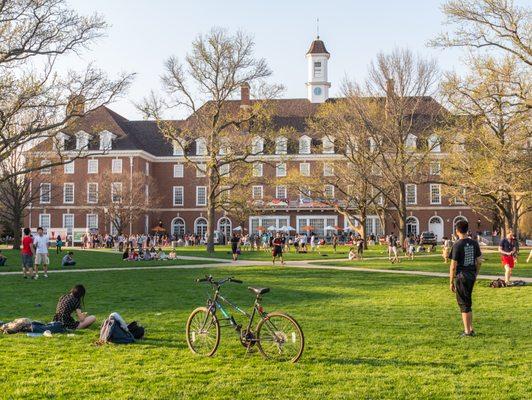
(214, 304)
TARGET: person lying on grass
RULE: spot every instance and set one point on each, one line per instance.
(72, 302)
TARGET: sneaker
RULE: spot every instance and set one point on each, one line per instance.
(472, 333)
(463, 334)
(36, 277)
(46, 275)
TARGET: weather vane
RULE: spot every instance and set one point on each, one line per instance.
(318, 28)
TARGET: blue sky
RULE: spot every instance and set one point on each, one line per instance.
(144, 33)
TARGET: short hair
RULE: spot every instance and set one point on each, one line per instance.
(27, 231)
(40, 228)
(462, 226)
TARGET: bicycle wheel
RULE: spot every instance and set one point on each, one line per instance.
(280, 338)
(203, 332)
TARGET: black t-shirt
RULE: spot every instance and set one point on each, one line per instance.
(234, 241)
(507, 245)
(465, 252)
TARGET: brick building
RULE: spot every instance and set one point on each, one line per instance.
(139, 147)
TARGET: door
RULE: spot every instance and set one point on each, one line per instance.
(436, 226)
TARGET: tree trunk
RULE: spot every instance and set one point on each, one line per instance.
(17, 228)
(402, 214)
(363, 217)
(211, 210)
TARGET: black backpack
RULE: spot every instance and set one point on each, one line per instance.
(498, 283)
(136, 330)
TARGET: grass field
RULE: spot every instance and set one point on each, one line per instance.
(369, 336)
(490, 266)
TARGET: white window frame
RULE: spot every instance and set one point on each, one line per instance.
(438, 186)
(224, 169)
(407, 186)
(69, 215)
(259, 188)
(328, 169)
(305, 145)
(330, 189)
(257, 145)
(45, 226)
(258, 169)
(327, 145)
(89, 184)
(459, 201)
(304, 171)
(42, 192)
(176, 195)
(434, 143)
(92, 166)
(435, 168)
(177, 148)
(280, 170)
(281, 145)
(115, 192)
(106, 140)
(198, 189)
(318, 69)
(88, 217)
(201, 147)
(411, 141)
(116, 166)
(65, 185)
(279, 189)
(69, 168)
(179, 170)
(82, 140)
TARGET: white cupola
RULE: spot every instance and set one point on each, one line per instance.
(317, 84)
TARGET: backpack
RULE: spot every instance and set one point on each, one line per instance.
(112, 331)
(498, 283)
(136, 330)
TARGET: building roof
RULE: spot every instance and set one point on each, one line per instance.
(317, 47)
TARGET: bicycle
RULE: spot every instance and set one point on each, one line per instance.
(277, 335)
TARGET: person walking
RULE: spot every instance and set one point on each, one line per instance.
(41, 242)
(392, 249)
(465, 265)
(277, 250)
(447, 244)
(508, 250)
(58, 244)
(235, 242)
(27, 254)
(335, 242)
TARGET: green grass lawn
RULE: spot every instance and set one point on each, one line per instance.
(490, 266)
(102, 258)
(368, 335)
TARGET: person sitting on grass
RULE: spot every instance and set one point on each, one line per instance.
(161, 255)
(3, 259)
(154, 254)
(72, 302)
(352, 254)
(68, 260)
(125, 254)
(172, 255)
(146, 256)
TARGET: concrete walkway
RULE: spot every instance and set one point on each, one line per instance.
(303, 264)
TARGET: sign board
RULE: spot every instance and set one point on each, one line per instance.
(51, 232)
(77, 234)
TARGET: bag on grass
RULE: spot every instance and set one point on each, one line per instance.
(498, 283)
(136, 330)
(113, 330)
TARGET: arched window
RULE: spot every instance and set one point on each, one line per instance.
(327, 145)
(304, 145)
(412, 226)
(224, 226)
(436, 226)
(281, 145)
(178, 227)
(257, 145)
(200, 227)
(201, 147)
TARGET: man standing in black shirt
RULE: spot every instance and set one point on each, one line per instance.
(465, 264)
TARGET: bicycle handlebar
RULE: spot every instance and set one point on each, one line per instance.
(211, 280)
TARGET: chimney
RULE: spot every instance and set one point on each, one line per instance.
(76, 105)
(244, 95)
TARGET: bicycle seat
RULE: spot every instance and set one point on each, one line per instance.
(258, 291)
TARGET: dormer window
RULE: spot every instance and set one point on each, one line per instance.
(328, 145)
(281, 145)
(434, 144)
(201, 147)
(61, 141)
(411, 141)
(304, 145)
(257, 145)
(82, 140)
(371, 144)
(178, 149)
(106, 140)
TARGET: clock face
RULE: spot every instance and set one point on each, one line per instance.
(317, 91)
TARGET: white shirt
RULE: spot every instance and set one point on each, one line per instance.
(41, 243)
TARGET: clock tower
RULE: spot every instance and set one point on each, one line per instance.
(317, 84)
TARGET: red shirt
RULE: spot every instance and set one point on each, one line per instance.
(26, 245)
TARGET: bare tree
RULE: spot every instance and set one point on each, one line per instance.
(494, 163)
(489, 24)
(222, 132)
(19, 192)
(390, 139)
(125, 198)
(34, 35)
